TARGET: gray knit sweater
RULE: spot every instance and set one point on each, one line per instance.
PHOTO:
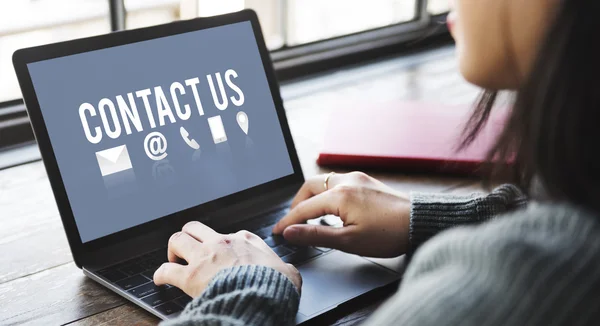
(537, 265)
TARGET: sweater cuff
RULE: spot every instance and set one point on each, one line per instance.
(433, 213)
(247, 293)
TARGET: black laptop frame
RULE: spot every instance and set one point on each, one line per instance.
(166, 224)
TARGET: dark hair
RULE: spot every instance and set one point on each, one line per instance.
(553, 131)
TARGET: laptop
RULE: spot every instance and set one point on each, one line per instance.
(142, 131)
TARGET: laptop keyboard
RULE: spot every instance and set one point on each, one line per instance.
(135, 275)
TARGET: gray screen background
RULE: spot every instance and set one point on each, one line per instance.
(186, 178)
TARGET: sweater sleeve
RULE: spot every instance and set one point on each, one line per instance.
(243, 295)
(433, 213)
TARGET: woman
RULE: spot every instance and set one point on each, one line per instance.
(524, 263)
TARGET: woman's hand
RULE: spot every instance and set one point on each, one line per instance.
(376, 218)
(207, 252)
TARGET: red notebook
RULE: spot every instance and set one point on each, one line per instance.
(406, 136)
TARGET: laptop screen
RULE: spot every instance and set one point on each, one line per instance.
(148, 129)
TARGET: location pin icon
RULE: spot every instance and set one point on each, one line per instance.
(242, 120)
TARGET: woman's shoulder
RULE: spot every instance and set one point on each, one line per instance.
(536, 266)
(530, 267)
(550, 221)
(537, 221)
(550, 234)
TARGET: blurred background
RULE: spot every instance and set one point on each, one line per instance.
(293, 28)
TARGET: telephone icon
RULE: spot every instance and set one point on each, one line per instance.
(186, 138)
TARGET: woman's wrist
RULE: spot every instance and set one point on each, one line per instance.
(246, 293)
(432, 213)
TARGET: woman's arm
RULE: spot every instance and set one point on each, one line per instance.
(260, 295)
(243, 295)
(380, 221)
(433, 213)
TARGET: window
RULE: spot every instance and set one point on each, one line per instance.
(314, 20)
(300, 33)
(285, 22)
(142, 13)
(437, 7)
(27, 23)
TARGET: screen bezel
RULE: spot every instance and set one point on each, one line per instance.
(23, 57)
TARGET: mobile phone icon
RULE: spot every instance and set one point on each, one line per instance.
(216, 129)
(186, 138)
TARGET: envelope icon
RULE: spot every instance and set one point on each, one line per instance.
(113, 160)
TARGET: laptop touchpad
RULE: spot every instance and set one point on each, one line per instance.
(339, 277)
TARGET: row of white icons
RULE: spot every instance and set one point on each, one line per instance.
(117, 159)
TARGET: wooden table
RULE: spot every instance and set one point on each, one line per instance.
(39, 283)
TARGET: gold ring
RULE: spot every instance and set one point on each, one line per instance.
(326, 183)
